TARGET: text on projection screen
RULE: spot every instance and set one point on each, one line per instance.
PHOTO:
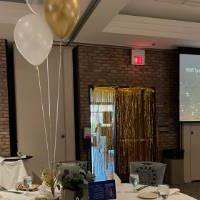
(189, 107)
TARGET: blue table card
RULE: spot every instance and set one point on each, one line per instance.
(102, 190)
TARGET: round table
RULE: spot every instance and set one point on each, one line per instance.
(124, 192)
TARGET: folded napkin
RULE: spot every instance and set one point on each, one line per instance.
(45, 191)
(117, 179)
(128, 188)
(154, 189)
(174, 191)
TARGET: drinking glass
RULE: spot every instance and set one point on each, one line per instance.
(163, 191)
(134, 180)
(28, 183)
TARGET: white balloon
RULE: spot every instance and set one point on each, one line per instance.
(36, 6)
(33, 38)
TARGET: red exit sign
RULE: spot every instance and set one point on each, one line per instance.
(137, 57)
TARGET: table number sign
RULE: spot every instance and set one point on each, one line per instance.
(102, 190)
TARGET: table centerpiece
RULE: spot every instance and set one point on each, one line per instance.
(74, 181)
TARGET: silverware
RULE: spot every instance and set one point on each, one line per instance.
(141, 188)
(15, 192)
(2, 189)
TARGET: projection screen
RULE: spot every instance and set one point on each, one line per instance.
(189, 89)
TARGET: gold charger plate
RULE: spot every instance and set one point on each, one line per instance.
(148, 195)
(32, 189)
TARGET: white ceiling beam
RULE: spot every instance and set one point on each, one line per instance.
(105, 11)
(153, 27)
(172, 1)
(193, 3)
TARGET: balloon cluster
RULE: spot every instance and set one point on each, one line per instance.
(33, 32)
(33, 36)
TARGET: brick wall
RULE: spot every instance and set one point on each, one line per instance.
(4, 115)
(100, 65)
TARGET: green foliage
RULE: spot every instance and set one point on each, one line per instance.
(75, 178)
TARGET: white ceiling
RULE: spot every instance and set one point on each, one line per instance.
(10, 12)
(133, 23)
(144, 23)
(186, 10)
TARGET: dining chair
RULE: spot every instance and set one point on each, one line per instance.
(83, 164)
(150, 173)
(71, 164)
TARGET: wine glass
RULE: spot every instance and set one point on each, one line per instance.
(134, 180)
(163, 191)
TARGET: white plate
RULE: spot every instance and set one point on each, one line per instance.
(148, 195)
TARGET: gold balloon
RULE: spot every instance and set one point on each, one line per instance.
(62, 15)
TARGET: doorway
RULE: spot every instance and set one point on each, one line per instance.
(123, 129)
(102, 117)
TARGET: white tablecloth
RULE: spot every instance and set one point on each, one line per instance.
(11, 173)
(12, 196)
(124, 192)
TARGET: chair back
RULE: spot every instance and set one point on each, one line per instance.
(150, 173)
(70, 165)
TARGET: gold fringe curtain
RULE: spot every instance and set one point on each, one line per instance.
(136, 132)
(103, 95)
(135, 124)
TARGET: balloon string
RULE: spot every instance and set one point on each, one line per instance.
(29, 6)
(57, 104)
(43, 115)
(49, 107)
